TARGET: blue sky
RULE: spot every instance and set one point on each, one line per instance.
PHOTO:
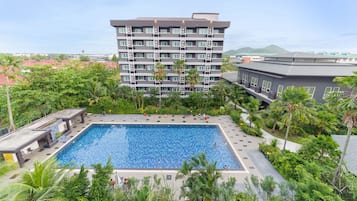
(70, 26)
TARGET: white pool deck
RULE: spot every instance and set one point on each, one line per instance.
(245, 146)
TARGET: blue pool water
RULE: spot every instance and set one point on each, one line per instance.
(148, 146)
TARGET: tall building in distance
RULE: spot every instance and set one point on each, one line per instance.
(144, 42)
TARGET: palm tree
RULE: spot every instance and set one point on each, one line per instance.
(349, 105)
(193, 78)
(179, 67)
(275, 112)
(294, 101)
(252, 108)
(43, 183)
(10, 65)
(159, 76)
(236, 95)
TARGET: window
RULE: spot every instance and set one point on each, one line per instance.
(176, 56)
(190, 56)
(164, 43)
(175, 43)
(202, 44)
(244, 78)
(140, 67)
(138, 43)
(150, 78)
(216, 56)
(150, 67)
(329, 90)
(200, 68)
(140, 78)
(254, 82)
(148, 30)
(164, 30)
(122, 29)
(280, 90)
(124, 67)
(139, 55)
(310, 90)
(190, 30)
(122, 43)
(203, 31)
(176, 30)
(174, 79)
(201, 56)
(137, 29)
(150, 55)
(190, 43)
(266, 86)
(149, 43)
(165, 56)
(126, 78)
(123, 55)
(216, 43)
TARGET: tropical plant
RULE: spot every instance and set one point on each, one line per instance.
(294, 101)
(275, 111)
(45, 182)
(254, 116)
(179, 67)
(200, 180)
(76, 187)
(100, 189)
(10, 66)
(237, 95)
(192, 78)
(159, 76)
(220, 91)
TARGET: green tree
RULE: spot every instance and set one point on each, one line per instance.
(159, 76)
(192, 78)
(294, 101)
(179, 67)
(220, 92)
(76, 187)
(115, 58)
(227, 65)
(252, 108)
(275, 112)
(200, 180)
(100, 189)
(236, 95)
(62, 57)
(43, 183)
(10, 66)
(84, 58)
(349, 106)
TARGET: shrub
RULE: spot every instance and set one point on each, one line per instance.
(251, 131)
(6, 167)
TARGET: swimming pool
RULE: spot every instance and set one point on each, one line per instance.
(148, 146)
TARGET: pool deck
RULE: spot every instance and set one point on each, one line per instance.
(244, 145)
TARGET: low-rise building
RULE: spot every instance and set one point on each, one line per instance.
(268, 79)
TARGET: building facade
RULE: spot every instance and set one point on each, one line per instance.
(143, 42)
(268, 79)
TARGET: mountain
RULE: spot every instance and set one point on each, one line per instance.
(268, 50)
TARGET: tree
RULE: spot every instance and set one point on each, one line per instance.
(236, 95)
(349, 105)
(115, 58)
(76, 187)
(159, 76)
(100, 189)
(43, 183)
(179, 67)
(294, 101)
(84, 58)
(227, 65)
(202, 183)
(275, 112)
(192, 78)
(62, 57)
(252, 108)
(9, 65)
(220, 92)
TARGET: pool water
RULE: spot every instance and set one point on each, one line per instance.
(134, 146)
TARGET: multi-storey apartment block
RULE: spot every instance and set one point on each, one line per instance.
(143, 42)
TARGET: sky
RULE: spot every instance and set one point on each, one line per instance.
(70, 26)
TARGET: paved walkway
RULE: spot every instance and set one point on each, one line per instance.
(245, 146)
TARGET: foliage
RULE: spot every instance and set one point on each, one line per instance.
(192, 78)
(43, 183)
(6, 167)
(254, 117)
(159, 76)
(76, 187)
(100, 189)
(202, 184)
(84, 58)
(148, 189)
(228, 65)
(254, 131)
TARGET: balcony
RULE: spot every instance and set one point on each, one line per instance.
(257, 89)
(272, 95)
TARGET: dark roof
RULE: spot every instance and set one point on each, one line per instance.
(302, 55)
(302, 69)
(231, 76)
(350, 158)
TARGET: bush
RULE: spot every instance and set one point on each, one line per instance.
(251, 131)
(271, 152)
(6, 167)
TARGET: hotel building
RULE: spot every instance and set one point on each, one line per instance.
(143, 42)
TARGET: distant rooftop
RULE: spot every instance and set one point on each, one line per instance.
(302, 55)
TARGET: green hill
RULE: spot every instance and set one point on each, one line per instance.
(268, 50)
